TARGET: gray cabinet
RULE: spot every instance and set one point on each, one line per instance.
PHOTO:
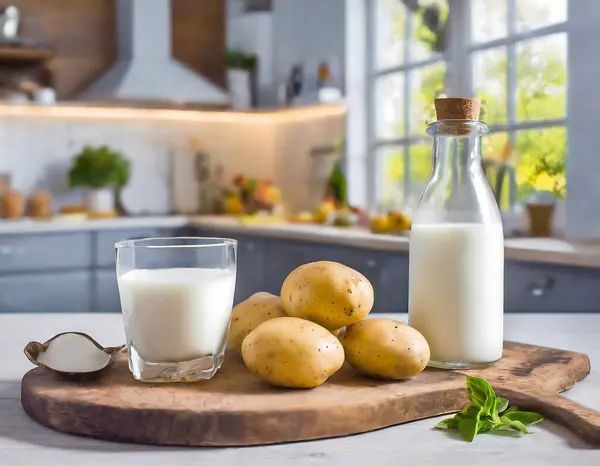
(46, 292)
(250, 267)
(104, 242)
(106, 292)
(21, 253)
(533, 287)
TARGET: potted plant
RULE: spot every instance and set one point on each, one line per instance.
(241, 77)
(103, 172)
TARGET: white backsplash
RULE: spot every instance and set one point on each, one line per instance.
(37, 152)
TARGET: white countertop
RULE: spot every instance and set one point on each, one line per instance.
(22, 441)
(549, 250)
(63, 225)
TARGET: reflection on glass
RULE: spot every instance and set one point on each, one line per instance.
(542, 78)
(390, 32)
(389, 106)
(420, 169)
(541, 161)
(490, 69)
(534, 14)
(423, 42)
(426, 84)
(390, 189)
(497, 164)
(488, 20)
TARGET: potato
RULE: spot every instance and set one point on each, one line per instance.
(291, 352)
(249, 314)
(327, 293)
(385, 349)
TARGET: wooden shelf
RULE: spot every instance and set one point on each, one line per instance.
(24, 54)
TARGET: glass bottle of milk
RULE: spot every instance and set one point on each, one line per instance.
(456, 278)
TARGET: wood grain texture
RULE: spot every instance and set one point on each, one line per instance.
(82, 33)
(236, 408)
(199, 37)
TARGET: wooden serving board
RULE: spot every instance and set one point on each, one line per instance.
(237, 408)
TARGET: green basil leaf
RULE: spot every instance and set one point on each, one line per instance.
(514, 425)
(485, 426)
(471, 411)
(480, 391)
(448, 424)
(525, 417)
(501, 404)
(467, 428)
(511, 409)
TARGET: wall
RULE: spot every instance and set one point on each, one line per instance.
(295, 32)
(37, 151)
(306, 33)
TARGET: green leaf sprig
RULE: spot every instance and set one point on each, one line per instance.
(488, 413)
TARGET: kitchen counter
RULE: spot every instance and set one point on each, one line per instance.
(22, 441)
(545, 250)
(60, 225)
(550, 250)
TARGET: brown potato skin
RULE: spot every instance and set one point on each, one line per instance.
(327, 293)
(249, 314)
(385, 349)
(291, 352)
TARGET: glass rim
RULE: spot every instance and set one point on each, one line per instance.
(148, 243)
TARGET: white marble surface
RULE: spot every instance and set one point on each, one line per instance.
(22, 441)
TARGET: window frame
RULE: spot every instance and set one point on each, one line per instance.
(458, 61)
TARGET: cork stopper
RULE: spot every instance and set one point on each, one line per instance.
(453, 108)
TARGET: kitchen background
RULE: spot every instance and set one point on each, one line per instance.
(296, 126)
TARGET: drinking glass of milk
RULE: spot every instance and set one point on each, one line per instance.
(176, 297)
(456, 271)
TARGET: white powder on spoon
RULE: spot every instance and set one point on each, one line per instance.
(73, 353)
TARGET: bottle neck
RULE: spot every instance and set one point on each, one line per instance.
(456, 155)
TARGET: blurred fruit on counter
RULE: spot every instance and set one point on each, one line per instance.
(233, 205)
(325, 212)
(251, 196)
(345, 217)
(391, 222)
(303, 217)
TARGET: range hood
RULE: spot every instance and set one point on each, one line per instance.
(145, 74)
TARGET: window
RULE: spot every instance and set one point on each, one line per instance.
(406, 76)
(512, 54)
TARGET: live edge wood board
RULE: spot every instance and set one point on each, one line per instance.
(237, 408)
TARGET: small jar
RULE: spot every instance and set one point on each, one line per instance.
(12, 204)
(40, 205)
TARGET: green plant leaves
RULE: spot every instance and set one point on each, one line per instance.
(501, 404)
(99, 167)
(488, 413)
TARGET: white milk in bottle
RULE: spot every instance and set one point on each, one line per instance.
(456, 272)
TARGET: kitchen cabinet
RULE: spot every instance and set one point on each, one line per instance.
(536, 287)
(263, 264)
(106, 292)
(250, 267)
(46, 292)
(24, 253)
(104, 242)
